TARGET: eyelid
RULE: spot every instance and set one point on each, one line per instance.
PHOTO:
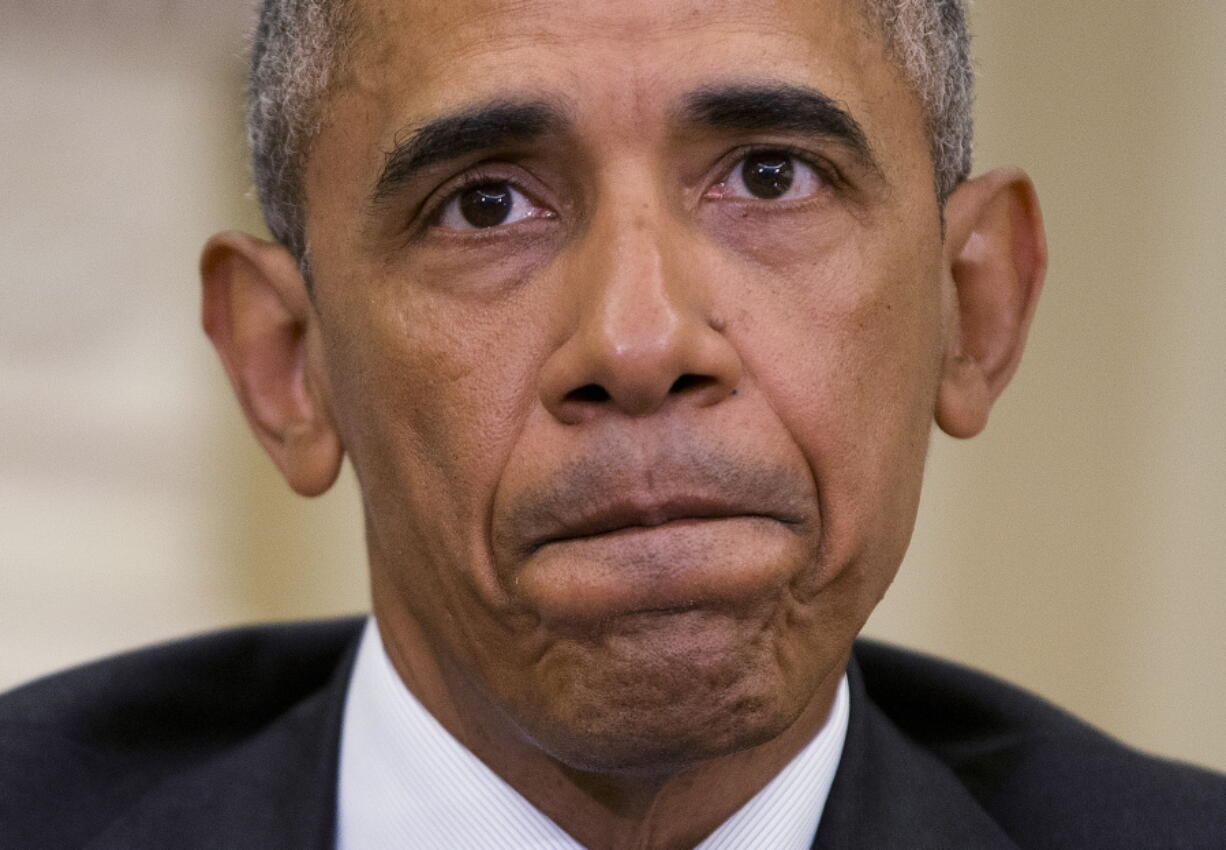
(826, 170)
(431, 209)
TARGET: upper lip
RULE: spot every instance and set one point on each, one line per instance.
(627, 513)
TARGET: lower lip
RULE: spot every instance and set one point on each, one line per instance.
(677, 566)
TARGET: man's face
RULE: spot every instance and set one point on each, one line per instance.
(634, 341)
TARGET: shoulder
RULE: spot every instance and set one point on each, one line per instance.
(226, 682)
(78, 746)
(1048, 778)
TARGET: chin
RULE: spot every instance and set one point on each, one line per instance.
(657, 693)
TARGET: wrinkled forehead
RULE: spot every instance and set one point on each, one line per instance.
(426, 56)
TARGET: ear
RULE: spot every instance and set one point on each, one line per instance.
(995, 257)
(259, 316)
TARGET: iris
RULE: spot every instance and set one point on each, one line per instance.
(487, 205)
(768, 174)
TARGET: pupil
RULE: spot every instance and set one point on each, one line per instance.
(486, 206)
(768, 175)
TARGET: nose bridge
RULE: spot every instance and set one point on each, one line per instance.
(633, 299)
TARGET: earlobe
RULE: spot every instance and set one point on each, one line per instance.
(258, 314)
(963, 399)
(995, 261)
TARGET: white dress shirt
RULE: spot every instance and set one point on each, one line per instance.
(406, 783)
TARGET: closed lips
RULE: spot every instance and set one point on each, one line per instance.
(626, 515)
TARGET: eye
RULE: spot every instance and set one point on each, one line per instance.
(769, 175)
(489, 203)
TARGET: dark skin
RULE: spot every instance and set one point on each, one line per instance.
(637, 386)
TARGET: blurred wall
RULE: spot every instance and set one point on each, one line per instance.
(1075, 548)
(133, 504)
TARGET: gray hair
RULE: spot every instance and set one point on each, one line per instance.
(296, 54)
(930, 42)
(299, 47)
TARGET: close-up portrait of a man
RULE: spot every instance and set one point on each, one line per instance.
(634, 319)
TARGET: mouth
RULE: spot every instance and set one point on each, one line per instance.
(649, 530)
(629, 516)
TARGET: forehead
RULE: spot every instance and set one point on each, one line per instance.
(421, 56)
(553, 24)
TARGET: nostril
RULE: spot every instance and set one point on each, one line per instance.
(593, 393)
(689, 382)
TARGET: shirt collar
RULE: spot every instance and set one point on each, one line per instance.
(404, 781)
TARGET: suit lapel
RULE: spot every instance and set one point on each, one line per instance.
(275, 790)
(889, 792)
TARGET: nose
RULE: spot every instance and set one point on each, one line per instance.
(643, 336)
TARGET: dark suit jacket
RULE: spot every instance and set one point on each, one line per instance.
(230, 741)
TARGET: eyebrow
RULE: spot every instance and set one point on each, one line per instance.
(478, 128)
(778, 107)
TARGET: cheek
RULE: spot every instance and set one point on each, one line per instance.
(432, 393)
(850, 366)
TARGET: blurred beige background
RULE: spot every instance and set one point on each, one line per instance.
(1077, 548)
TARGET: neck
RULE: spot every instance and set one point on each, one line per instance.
(682, 807)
